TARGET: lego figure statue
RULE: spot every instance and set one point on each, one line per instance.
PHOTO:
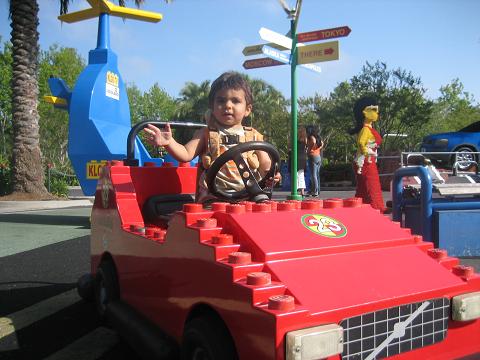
(366, 112)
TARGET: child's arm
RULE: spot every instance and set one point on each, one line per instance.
(265, 165)
(264, 161)
(182, 153)
(321, 144)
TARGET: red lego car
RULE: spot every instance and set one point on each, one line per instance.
(331, 279)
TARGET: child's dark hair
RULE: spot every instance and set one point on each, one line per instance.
(230, 80)
(358, 108)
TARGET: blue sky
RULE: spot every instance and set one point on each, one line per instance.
(437, 40)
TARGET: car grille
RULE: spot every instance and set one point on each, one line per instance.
(365, 333)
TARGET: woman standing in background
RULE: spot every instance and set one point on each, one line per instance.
(314, 151)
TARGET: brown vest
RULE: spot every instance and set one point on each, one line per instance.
(214, 139)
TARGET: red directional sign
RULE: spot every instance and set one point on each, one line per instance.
(262, 62)
(324, 34)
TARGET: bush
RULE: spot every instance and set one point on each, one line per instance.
(337, 172)
(58, 186)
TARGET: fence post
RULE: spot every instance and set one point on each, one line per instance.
(49, 166)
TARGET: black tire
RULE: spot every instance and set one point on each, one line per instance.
(85, 287)
(467, 155)
(207, 338)
(106, 287)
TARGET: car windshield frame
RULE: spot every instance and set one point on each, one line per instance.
(472, 128)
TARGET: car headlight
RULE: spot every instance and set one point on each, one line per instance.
(314, 343)
(441, 143)
(466, 307)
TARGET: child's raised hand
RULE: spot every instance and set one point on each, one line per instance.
(158, 137)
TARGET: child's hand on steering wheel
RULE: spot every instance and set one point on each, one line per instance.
(275, 180)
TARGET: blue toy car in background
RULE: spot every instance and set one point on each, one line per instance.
(466, 142)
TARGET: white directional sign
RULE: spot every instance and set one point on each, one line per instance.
(272, 36)
(313, 67)
(285, 58)
(275, 54)
(257, 49)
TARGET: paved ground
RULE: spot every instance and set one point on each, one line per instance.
(42, 254)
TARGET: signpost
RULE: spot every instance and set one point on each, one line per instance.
(285, 58)
(301, 54)
(313, 67)
(327, 51)
(324, 34)
(257, 49)
(279, 39)
(262, 62)
(275, 54)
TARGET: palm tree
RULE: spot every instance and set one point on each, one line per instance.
(27, 173)
(193, 101)
(191, 106)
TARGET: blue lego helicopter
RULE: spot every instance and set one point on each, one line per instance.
(98, 104)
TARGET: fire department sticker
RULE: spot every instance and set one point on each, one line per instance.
(324, 225)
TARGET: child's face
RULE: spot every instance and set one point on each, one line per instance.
(230, 107)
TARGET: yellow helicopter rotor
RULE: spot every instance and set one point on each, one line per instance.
(106, 7)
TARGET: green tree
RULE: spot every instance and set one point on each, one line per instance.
(453, 110)
(5, 103)
(67, 64)
(193, 101)
(153, 105)
(135, 100)
(403, 109)
(157, 104)
(333, 114)
(270, 115)
(401, 96)
(191, 106)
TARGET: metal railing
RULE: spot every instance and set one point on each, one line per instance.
(457, 154)
(51, 171)
(406, 156)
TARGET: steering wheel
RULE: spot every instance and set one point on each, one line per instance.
(254, 190)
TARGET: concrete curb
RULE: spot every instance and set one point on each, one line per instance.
(18, 206)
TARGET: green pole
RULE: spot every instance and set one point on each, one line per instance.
(294, 113)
